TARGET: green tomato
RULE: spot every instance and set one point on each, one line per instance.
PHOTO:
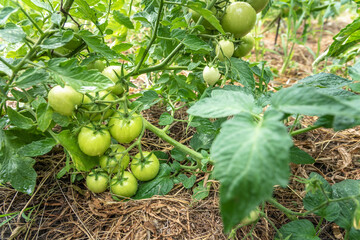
(110, 72)
(145, 169)
(125, 130)
(211, 75)
(117, 161)
(258, 5)
(64, 99)
(97, 64)
(224, 49)
(239, 19)
(76, 41)
(93, 142)
(93, 106)
(244, 47)
(97, 181)
(252, 217)
(125, 186)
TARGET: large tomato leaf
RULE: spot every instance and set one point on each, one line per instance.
(250, 158)
(66, 71)
(299, 156)
(31, 77)
(161, 185)
(81, 161)
(345, 189)
(19, 120)
(298, 230)
(310, 101)
(241, 72)
(224, 103)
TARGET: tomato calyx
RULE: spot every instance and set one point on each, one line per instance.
(98, 173)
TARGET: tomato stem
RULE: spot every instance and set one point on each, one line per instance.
(161, 134)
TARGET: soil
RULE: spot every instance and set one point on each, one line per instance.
(61, 209)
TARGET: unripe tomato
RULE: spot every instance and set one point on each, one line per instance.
(258, 5)
(64, 100)
(76, 41)
(97, 181)
(224, 49)
(116, 162)
(211, 75)
(252, 217)
(145, 169)
(125, 130)
(109, 72)
(239, 19)
(97, 64)
(104, 96)
(245, 46)
(125, 186)
(93, 142)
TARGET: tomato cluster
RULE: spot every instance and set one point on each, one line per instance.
(237, 19)
(106, 120)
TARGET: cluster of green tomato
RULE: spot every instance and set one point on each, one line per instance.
(237, 19)
(94, 139)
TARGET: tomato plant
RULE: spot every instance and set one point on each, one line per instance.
(116, 160)
(125, 128)
(239, 19)
(64, 99)
(97, 181)
(145, 168)
(224, 49)
(92, 141)
(242, 129)
(124, 185)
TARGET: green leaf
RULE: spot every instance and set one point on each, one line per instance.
(354, 72)
(38, 5)
(313, 199)
(299, 156)
(345, 39)
(56, 18)
(309, 101)
(298, 230)
(19, 120)
(12, 33)
(188, 182)
(4, 68)
(201, 191)
(148, 99)
(166, 119)
(241, 72)
(224, 103)
(207, 14)
(18, 170)
(123, 20)
(325, 80)
(343, 189)
(161, 185)
(95, 43)
(5, 14)
(81, 161)
(178, 155)
(80, 79)
(31, 77)
(194, 43)
(354, 234)
(87, 12)
(37, 148)
(44, 116)
(250, 158)
(58, 40)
